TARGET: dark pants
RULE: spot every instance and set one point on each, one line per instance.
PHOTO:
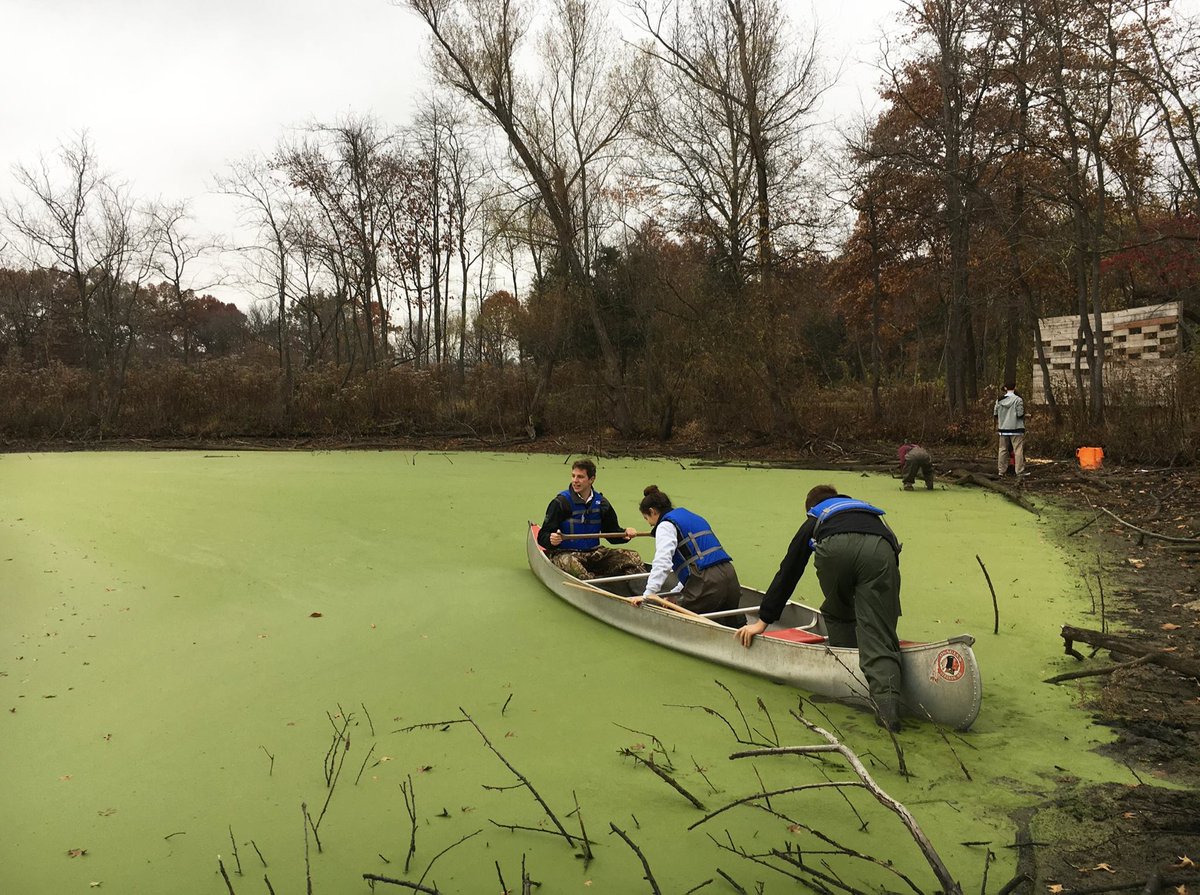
(712, 590)
(860, 578)
(917, 460)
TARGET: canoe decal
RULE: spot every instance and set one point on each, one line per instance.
(949, 666)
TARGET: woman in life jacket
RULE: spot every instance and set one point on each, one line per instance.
(685, 543)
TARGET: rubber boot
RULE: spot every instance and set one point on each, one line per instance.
(887, 713)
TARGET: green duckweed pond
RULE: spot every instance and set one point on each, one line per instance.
(185, 635)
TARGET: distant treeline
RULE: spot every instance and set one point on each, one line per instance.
(578, 233)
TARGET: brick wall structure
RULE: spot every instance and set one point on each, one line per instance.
(1140, 350)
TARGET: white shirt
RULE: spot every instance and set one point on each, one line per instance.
(666, 539)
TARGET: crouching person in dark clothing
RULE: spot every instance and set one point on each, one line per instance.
(857, 558)
(914, 461)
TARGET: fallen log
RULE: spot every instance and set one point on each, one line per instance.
(1129, 647)
(963, 477)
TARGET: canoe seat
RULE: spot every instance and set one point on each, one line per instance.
(795, 635)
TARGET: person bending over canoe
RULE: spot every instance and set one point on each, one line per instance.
(857, 558)
(581, 513)
(684, 543)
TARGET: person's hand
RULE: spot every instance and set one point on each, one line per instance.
(636, 601)
(631, 532)
(746, 633)
(555, 538)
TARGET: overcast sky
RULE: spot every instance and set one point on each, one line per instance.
(170, 91)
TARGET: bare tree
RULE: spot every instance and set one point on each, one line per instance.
(179, 250)
(267, 208)
(563, 127)
(78, 219)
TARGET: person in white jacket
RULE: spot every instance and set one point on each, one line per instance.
(1010, 424)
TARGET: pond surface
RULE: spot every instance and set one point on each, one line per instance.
(171, 694)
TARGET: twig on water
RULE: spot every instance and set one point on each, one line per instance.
(1093, 672)
(503, 709)
(271, 769)
(995, 605)
(503, 884)
(663, 775)
(774, 733)
(370, 723)
(732, 882)
(700, 771)
(312, 826)
(512, 828)
(953, 751)
(988, 857)
(363, 767)
(649, 875)
(270, 888)
(307, 865)
(416, 887)
(409, 792)
(753, 797)
(442, 852)
(587, 846)
(260, 854)
(236, 858)
(331, 760)
(1100, 584)
(558, 825)
(658, 744)
(844, 849)
(225, 876)
(737, 706)
(428, 725)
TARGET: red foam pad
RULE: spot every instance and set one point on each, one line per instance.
(795, 635)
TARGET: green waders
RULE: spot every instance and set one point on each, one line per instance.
(860, 578)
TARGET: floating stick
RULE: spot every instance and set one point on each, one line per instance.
(225, 876)
(649, 876)
(570, 839)
(995, 605)
(233, 842)
(664, 776)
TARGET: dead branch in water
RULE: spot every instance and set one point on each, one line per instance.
(524, 780)
(1129, 647)
(649, 876)
(663, 775)
(949, 885)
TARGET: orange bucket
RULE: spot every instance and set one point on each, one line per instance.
(1090, 457)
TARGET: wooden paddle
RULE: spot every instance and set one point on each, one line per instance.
(606, 534)
(657, 601)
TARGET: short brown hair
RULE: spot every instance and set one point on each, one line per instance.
(818, 494)
(587, 466)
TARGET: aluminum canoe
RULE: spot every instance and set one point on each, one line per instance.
(941, 680)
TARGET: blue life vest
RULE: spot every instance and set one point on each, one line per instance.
(698, 547)
(834, 505)
(584, 520)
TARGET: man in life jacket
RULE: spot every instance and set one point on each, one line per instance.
(857, 558)
(581, 513)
